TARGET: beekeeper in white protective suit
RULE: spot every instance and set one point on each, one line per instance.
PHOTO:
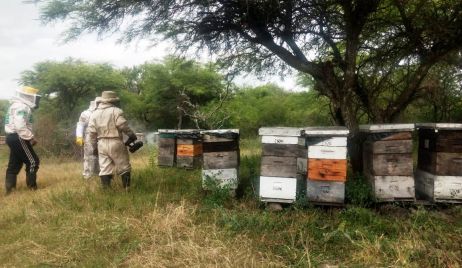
(105, 129)
(20, 138)
(90, 160)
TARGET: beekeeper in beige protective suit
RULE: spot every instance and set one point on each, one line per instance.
(90, 160)
(106, 128)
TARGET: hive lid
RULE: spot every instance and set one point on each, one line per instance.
(448, 126)
(387, 128)
(220, 131)
(326, 131)
(167, 130)
(280, 131)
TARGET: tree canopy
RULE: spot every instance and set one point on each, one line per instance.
(368, 56)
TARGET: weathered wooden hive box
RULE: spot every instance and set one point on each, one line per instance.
(439, 166)
(188, 148)
(278, 175)
(387, 161)
(327, 164)
(221, 157)
(166, 148)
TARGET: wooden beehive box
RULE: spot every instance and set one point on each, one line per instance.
(221, 157)
(387, 161)
(166, 148)
(439, 174)
(280, 164)
(326, 164)
(188, 148)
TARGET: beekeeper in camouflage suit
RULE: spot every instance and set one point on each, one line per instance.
(20, 138)
(90, 160)
(105, 129)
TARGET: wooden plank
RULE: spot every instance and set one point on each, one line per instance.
(209, 147)
(325, 191)
(390, 146)
(189, 150)
(387, 128)
(224, 177)
(213, 139)
(302, 164)
(166, 142)
(388, 136)
(220, 135)
(221, 160)
(326, 131)
(279, 140)
(441, 164)
(441, 141)
(437, 126)
(166, 160)
(293, 150)
(326, 152)
(444, 189)
(278, 188)
(326, 141)
(188, 141)
(392, 188)
(189, 162)
(390, 164)
(327, 169)
(274, 166)
(280, 131)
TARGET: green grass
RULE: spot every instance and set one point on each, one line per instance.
(167, 220)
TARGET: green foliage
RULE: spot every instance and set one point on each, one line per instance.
(4, 104)
(251, 108)
(358, 191)
(170, 92)
(215, 194)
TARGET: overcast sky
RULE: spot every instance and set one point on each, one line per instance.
(24, 41)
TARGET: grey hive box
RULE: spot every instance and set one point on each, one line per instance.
(387, 161)
(166, 148)
(221, 157)
(280, 164)
(439, 166)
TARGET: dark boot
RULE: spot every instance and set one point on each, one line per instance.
(126, 180)
(31, 181)
(10, 182)
(106, 181)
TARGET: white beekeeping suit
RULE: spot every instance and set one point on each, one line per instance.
(90, 160)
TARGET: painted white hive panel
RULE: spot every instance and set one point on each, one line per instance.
(439, 188)
(225, 177)
(393, 188)
(387, 128)
(279, 140)
(280, 131)
(448, 126)
(325, 131)
(325, 191)
(327, 152)
(278, 188)
(331, 142)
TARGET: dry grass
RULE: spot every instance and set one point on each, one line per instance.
(166, 221)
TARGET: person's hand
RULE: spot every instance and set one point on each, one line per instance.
(79, 141)
(33, 142)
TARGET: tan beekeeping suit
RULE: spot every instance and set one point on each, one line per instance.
(106, 127)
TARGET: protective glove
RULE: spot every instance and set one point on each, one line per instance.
(79, 141)
(33, 142)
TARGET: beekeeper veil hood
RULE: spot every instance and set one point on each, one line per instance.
(29, 96)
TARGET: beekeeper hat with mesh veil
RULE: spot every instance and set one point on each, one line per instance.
(109, 97)
(29, 96)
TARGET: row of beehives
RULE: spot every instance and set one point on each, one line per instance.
(312, 163)
(216, 151)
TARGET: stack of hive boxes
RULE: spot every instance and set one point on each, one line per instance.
(166, 148)
(189, 148)
(439, 174)
(278, 176)
(221, 157)
(327, 164)
(387, 161)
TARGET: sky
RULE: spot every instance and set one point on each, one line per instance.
(24, 41)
